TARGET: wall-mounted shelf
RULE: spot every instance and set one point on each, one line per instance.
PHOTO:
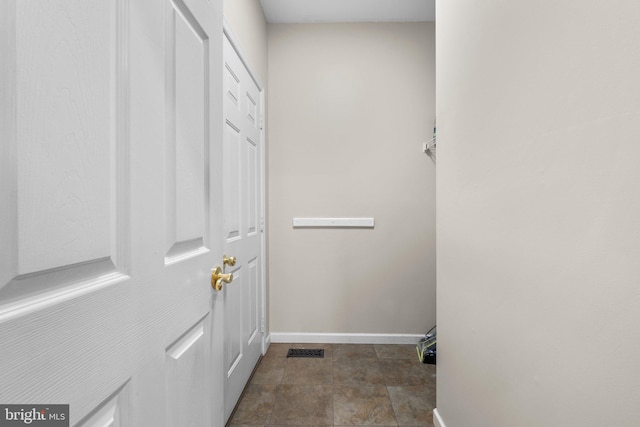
(333, 222)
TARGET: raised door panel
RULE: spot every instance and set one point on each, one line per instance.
(232, 152)
(252, 109)
(234, 309)
(251, 293)
(64, 132)
(113, 412)
(251, 191)
(187, 133)
(185, 380)
(64, 171)
(231, 85)
(250, 195)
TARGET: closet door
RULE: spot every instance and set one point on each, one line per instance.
(108, 225)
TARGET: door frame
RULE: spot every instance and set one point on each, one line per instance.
(228, 32)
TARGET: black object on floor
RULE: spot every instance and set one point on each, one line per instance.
(427, 347)
(306, 352)
(429, 357)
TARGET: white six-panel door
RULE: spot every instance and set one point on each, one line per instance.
(242, 180)
(110, 209)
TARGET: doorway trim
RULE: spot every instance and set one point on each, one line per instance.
(226, 29)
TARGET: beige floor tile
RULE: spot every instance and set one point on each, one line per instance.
(413, 405)
(256, 405)
(308, 371)
(362, 405)
(270, 371)
(278, 350)
(354, 351)
(303, 405)
(406, 372)
(396, 351)
(357, 372)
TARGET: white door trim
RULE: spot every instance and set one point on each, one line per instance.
(226, 27)
(263, 221)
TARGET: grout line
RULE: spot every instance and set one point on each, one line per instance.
(395, 416)
(277, 394)
(333, 404)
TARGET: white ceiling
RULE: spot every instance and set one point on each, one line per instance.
(315, 11)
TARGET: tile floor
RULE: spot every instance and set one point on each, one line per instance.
(354, 385)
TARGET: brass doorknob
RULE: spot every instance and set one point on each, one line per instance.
(218, 278)
(228, 260)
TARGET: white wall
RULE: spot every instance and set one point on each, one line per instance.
(538, 199)
(349, 105)
(249, 26)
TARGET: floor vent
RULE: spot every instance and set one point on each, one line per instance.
(306, 352)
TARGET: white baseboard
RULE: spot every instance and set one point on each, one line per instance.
(323, 338)
(437, 419)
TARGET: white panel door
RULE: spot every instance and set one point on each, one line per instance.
(110, 177)
(242, 224)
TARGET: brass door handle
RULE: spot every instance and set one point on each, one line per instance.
(228, 260)
(218, 278)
